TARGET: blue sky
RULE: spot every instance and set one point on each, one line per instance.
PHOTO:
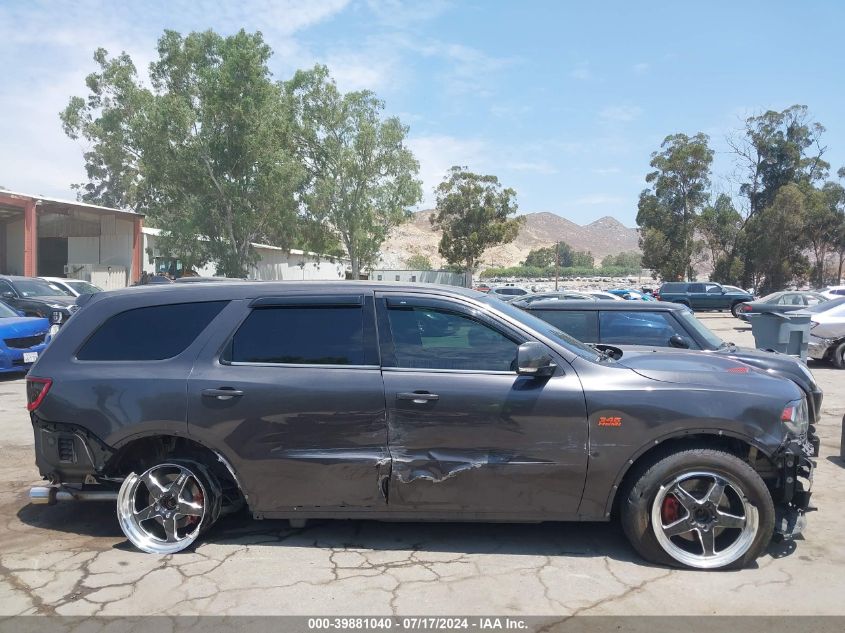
(564, 101)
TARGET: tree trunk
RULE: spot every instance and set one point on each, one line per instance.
(468, 273)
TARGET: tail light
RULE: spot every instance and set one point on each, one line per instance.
(36, 389)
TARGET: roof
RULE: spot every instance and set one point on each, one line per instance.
(253, 289)
(73, 203)
(604, 304)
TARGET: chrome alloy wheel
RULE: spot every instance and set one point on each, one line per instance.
(162, 510)
(703, 519)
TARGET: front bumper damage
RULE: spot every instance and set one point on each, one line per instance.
(793, 488)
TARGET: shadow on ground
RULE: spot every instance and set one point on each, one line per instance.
(526, 539)
(576, 540)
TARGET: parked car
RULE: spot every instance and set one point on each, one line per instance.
(507, 292)
(832, 292)
(631, 295)
(336, 400)
(599, 294)
(563, 295)
(668, 325)
(827, 332)
(703, 296)
(72, 287)
(37, 298)
(784, 301)
(22, 339)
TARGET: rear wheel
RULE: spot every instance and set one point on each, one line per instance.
(700, 508)
(168, 506)
(735, 309)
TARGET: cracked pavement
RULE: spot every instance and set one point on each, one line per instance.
(72, 559)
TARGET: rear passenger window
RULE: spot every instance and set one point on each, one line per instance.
(301, 335)
(151, 333)
(580, 324)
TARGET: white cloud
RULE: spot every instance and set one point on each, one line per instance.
(539, 167)
(406, 13)
(581, 72)
(641, 68)
(620, 113)
(438, 153)
(607, 171)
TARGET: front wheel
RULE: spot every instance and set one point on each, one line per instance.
(166, 508)
(735, 310)
(838, 356)
(701, 509)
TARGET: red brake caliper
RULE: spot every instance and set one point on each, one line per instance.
(670, 511)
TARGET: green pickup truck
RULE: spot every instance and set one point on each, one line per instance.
(702, 296)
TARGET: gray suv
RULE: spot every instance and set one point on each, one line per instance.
(370, 401)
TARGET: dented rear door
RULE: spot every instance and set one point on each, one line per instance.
(465, 432)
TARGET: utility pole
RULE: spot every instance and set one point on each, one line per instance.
(557, 263)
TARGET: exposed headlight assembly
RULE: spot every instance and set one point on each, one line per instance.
(796, 417)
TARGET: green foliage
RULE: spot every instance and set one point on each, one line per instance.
(630, 261)
(418, 262)
(362, 176)
(473, 211)
(207, 151)
(535, 272)
(667, 210)
(545, 256)
(215, 148)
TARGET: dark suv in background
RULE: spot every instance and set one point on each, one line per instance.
(37, 298)
(702, 296)
(667, 325)
(407, 402)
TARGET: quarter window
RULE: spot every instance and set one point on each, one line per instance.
(428, 338)
(331, 335)
(579, 324)
(151, 333)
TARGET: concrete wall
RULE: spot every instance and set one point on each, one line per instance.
(419, 276)
(276, 264)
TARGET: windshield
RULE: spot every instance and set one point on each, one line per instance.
(691, 322)
(770, 297)
(83, 287)
(37, 288)
(546, 329)
(6, 311)
(827, 305)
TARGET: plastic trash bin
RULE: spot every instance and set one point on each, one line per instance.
(785, 332)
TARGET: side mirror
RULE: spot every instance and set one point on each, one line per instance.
(21, 313)
(533, 359)
(8, 294)
(676, 340)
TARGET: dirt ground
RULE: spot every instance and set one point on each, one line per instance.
(73, 559)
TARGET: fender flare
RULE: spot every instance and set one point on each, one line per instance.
(768, 451)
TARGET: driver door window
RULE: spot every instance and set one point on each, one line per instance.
(432, 338)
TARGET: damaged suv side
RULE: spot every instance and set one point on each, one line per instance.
(356, 400)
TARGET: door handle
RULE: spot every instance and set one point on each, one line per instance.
(224, 393)
(418, 397)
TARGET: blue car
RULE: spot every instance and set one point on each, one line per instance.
(22, 339)
(631, 295)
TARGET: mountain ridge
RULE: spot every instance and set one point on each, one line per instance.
(602, 237)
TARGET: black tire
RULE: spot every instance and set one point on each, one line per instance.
(684, 303)
(838, 356)
(735, 309)
(645, 484)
